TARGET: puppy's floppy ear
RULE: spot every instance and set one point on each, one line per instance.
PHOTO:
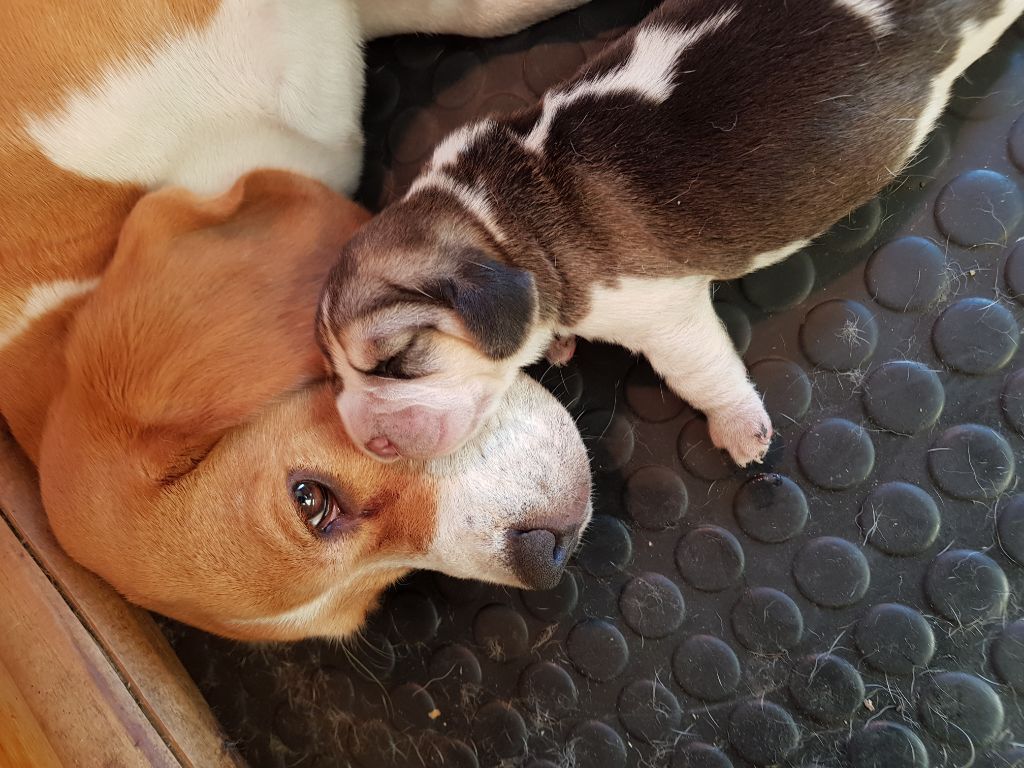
(205, 313)
(495, 301)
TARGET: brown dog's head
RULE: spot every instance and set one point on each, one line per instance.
(195, 459)
(426, 326)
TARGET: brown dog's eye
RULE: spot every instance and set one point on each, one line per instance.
(317, 506)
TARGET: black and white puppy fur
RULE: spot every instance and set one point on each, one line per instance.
(714, 139)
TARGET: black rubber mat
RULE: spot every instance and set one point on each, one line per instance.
(857, 604)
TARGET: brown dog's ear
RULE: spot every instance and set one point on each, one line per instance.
(205, 314)
(495, 301)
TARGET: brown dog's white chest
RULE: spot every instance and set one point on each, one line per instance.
(257, 83)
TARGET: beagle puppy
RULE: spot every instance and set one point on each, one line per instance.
(714, 139)
(157, 354)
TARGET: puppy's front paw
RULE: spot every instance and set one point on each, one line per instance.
(745, 432)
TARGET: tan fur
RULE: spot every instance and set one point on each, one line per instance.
(158, 361)
(160, 428)
(54, 224)
(130, 412)
(40, 66)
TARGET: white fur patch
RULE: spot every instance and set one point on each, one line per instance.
(42, 299)
(876, 13)
(266, 83)
(473, 200)
(460, 17)
(768, 258)
(449, 150)
(975, 40)
(527, 466)
(648, 73)
(300, 617)
(673, 323)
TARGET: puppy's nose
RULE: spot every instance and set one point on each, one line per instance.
(539, 556)
(382, 448)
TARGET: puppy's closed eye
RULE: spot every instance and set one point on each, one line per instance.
(402, 361)
(392, 368)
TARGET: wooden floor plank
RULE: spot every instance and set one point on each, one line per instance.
(128, 635)
(79, 701)
(22, 740)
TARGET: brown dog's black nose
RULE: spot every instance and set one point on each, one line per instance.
(539, 556)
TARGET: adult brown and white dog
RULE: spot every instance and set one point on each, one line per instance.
(157, 301)
(714, 139)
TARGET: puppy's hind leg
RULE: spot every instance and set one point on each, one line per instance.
(474, 18)
(673, 323)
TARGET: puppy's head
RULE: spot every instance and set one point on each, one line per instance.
(425, 325)
(196, 461)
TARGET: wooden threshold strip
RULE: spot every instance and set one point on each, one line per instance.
(93, 673)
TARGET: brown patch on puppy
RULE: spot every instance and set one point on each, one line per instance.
(713, 139)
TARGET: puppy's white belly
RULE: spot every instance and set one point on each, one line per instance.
(266, 83)
(634, 308)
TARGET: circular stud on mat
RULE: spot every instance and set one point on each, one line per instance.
(831, 572)
(771, 508)
(548, 687)
(972, 462)
(710, 559)
(886, 272)
(784, 387)
(597, 649)
(652, 605)
(763, 732)
(976, 336)
(827, 688)
(649, 711)
(895, 639)
(979, 208)
(904, 397)
(655, 498)
(706, 667)
(967, 586)
(961, 709)
(836, 454)
(501, 632)
(597, 744)
(839, 335)
(767, 620)
(885, 744)
(900, 519)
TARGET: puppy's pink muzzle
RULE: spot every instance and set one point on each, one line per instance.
(415, 431)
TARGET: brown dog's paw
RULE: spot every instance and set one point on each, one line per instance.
(744, 432)
(561, 350)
